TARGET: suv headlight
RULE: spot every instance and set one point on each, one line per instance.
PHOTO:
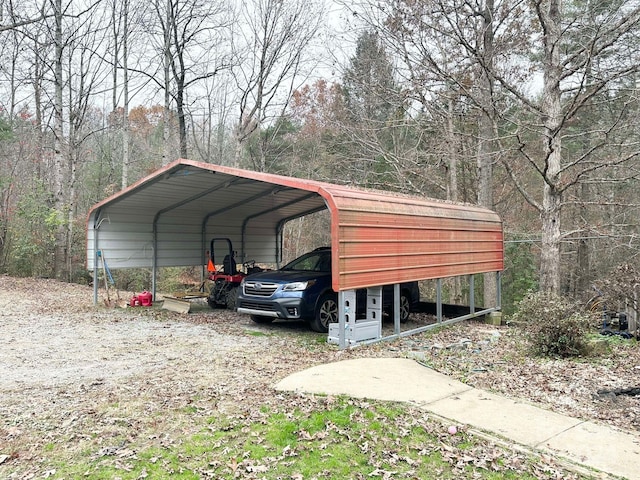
(297, 286)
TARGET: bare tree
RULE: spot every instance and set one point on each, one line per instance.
(86, 73)
(212, 124)
(588, 55)
(125, 81)
(578, 53)
(377, 140)
(121, 33)
(273, 47)
(194, 34)
(12, 19)
(22, 172)
(487, 147)
(445, 50)
(66, 59)
(165, 18)
(59, 148)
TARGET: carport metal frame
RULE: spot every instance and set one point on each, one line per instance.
(377, 237)
(440, 321)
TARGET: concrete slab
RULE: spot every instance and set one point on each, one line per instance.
(600, 447)
(393, 379)
(518, 421)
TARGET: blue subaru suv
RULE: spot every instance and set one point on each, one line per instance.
(301, 290)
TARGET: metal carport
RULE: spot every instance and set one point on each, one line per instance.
(378, 238)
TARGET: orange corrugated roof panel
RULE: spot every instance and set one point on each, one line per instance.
(377, 237)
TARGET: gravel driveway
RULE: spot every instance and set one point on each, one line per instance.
(47, 343)
(72, 370)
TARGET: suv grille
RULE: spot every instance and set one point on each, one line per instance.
(260, 289)
(264, 307)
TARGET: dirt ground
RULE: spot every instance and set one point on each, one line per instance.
(73, 372)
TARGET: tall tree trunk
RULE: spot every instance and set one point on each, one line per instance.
(452, 184)
(72, 167)
(125, 85)
(71, 214)
(115, 52)
(182, 123)
(37, 99)
(237, 151)
(452, 166)
(550, 256)
(552, 118)
(584, 260)
(166, 117)
(59, 259)
(486, 144)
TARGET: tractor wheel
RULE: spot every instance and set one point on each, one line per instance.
(217, 296)
(326, 313)
(232, 299)
(212, 302)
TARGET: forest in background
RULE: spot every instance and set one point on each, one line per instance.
(526, 107)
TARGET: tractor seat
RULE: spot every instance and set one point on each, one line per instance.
(229, 266)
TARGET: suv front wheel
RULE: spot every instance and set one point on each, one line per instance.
(326, 313)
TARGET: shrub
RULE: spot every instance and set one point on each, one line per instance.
(557, 326)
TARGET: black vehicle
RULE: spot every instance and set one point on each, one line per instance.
(302, 290)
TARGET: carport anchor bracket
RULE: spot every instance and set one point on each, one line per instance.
(349, 331)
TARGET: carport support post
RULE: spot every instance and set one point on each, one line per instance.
(472, 294)
(396, 309)
(342, 341)
(96, 226)
(439, 299)
(154, 265)
(95, 276)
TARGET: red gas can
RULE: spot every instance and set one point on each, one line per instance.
(146, 299)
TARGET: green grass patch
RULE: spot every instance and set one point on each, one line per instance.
(257, 333)
(307, 437)
(312, 341)
(190, 409)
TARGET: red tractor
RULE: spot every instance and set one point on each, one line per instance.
(224, 291)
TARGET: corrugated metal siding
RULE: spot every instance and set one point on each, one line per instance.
(392, 240)
(379, 238)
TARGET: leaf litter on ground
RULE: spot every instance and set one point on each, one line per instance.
(116, 382)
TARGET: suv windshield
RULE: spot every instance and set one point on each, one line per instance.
(311, 262)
